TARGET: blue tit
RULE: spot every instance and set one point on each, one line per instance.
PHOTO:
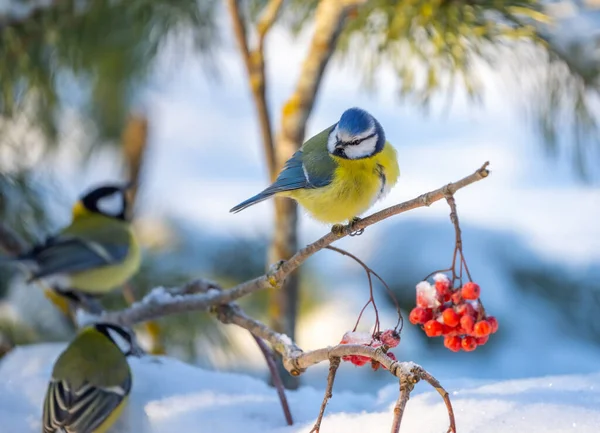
(95, 254)
(339, 173)
(90, 382)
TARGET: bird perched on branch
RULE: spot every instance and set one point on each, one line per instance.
(95, 254)
(91, 381)
(339, 173)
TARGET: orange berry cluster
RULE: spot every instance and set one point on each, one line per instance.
(454, 313)
(386, 339)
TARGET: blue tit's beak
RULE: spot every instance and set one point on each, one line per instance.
(339, 145)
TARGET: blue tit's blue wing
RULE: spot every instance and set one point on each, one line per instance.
(293, 176)
(67, 254)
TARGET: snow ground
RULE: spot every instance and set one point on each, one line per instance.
(172, 397)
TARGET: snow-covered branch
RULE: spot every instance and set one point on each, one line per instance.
(202, 295)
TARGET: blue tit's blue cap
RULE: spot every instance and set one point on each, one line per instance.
(355, 121)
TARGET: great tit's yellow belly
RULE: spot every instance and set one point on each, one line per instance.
(106, 278)
(356, 186)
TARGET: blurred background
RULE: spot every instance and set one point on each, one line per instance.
(201, 101)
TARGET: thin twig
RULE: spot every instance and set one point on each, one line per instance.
(426, 376)
(334, 363)
(268, 354)
(369, 270)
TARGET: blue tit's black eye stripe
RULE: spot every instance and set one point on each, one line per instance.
(357, 142)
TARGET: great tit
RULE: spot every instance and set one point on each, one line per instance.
(91, 381)
(95, 254)
(339, 173)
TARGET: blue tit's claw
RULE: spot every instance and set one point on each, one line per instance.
(351, 225)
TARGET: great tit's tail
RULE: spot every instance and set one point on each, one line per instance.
(262, 196)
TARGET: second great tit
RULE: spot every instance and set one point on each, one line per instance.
(96, 253)
(91, 381)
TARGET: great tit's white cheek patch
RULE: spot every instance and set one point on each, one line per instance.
(122, 343)
(111, 204)
(332, 139)
(362, 150)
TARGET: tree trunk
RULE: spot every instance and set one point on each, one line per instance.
(329, 20)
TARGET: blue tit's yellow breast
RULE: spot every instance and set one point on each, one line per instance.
(355, 187)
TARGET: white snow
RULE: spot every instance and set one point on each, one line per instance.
(428, 294)
(169, 396)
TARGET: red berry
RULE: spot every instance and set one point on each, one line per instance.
(453, 343)
(391, 356)
(450, 317)
(493, 323)
(357, 360)
(465, 309)
(448, 330)
(482, 340)
(420, 315)
(467, 323)
(482, 329)
(469, 344)
(433, 328)
(471, 291)
(390, 338)
(456, 297)
(442, 286)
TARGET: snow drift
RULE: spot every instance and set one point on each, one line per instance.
(169, 396)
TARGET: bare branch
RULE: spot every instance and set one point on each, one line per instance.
(334, 363)
(255, 67)
(268, 17)
(162, 302)
(329, 22)
(426, 199)
(270, 359)
(405, 390)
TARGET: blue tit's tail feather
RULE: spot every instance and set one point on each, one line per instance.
(261, 196)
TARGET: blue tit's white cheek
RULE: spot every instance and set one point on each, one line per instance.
(332, 139)
(364, 149)
(111, 204)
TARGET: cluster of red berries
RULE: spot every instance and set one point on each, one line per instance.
(455, 313)
(385, 339)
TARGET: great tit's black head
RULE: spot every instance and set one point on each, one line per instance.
(107, 200)
(357, 135)
(122, 337)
